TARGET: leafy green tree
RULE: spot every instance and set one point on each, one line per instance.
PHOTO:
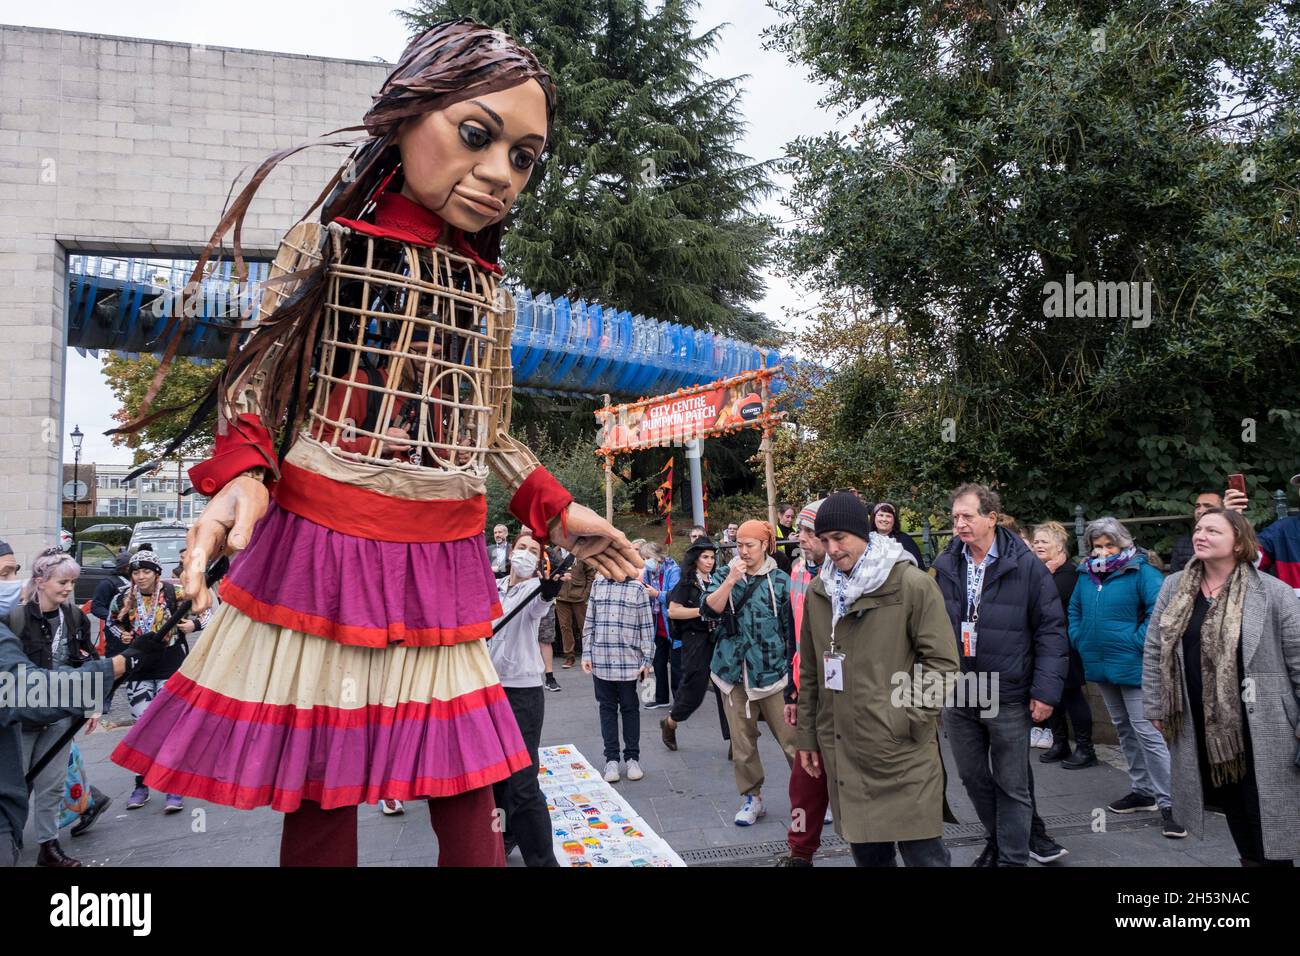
(1001, 148)
(129, 378)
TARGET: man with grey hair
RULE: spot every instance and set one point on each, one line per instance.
(1007, 619)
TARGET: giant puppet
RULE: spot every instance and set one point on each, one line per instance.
(347, 663)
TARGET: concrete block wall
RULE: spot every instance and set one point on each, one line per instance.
(122, 145)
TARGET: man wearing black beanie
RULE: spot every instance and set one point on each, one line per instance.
(874, 650)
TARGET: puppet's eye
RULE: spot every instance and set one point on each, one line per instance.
(475, 137)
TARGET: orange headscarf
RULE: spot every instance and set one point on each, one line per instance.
(759, 530)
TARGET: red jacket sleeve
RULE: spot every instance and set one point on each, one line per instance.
(246, 444)
(539, 499)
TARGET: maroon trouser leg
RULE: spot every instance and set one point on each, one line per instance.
(808, 802)
(463, 825)
(316, 837)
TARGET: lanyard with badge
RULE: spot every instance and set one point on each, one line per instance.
(974, 595)
(833, 658)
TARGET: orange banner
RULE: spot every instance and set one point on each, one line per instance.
(713, 409)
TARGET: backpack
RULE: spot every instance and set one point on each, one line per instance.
(97, 639)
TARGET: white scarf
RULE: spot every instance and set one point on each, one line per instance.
(866, 577)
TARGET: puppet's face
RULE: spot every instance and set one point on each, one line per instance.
(468, 162)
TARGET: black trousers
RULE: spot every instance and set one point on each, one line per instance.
(1239, 802)
(694, 684)
(615, 698)
(527, 821)
(663, 648)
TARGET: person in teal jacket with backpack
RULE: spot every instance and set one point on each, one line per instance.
(1109, 613)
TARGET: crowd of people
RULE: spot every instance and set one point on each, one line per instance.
(807, 628)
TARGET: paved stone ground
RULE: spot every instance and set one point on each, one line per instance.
(689, 797)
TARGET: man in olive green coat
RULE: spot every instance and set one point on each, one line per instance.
(872, 625)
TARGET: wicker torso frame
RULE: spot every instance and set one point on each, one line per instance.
(414, 338)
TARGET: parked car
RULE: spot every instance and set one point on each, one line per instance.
(98, 561)
(105, 527)
(166, 538)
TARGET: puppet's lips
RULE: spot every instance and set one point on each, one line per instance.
(489, 204)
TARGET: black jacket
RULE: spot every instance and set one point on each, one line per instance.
(909, 545)
(13, 786)
(1065, 578)
(1182, 553)
(36, 635)
(689, 594)
(105, 591)
(1021, 629)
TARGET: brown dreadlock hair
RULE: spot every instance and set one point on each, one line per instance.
(452, 61)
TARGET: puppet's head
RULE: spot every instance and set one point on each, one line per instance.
(458, 127)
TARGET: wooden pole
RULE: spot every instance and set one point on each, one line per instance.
(609, 473)
(768, 468)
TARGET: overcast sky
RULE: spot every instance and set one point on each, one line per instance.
(779, 103)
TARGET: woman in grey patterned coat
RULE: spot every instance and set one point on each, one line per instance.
(1221, 679)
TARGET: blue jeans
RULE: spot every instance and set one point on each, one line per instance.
(1144, 746)
(929, 852)
(618, 697)
(992, 756)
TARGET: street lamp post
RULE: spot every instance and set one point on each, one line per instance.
(77, 437)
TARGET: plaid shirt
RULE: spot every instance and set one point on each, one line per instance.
(618, 637)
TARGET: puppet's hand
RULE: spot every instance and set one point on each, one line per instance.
(593, 539)
(224, 528)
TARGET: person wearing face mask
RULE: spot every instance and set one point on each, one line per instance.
(54, 634)
(9, 566)
(1220, 629)
(751, 662)
(660, 576)
(517, 656)
(1109, 613)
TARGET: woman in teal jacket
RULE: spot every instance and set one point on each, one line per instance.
(1109, 612)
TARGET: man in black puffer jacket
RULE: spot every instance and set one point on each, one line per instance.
(1010, 632)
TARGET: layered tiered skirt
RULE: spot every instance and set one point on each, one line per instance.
(340, 670)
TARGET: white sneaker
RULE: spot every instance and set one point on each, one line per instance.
(391, 808)
(750, 811)
(828, 819)
(1045, 739)
(611, 771)
(634, 771)
(1035, 736)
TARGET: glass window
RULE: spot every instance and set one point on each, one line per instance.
(93, 554)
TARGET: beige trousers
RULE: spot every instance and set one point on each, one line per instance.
(744, 735)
